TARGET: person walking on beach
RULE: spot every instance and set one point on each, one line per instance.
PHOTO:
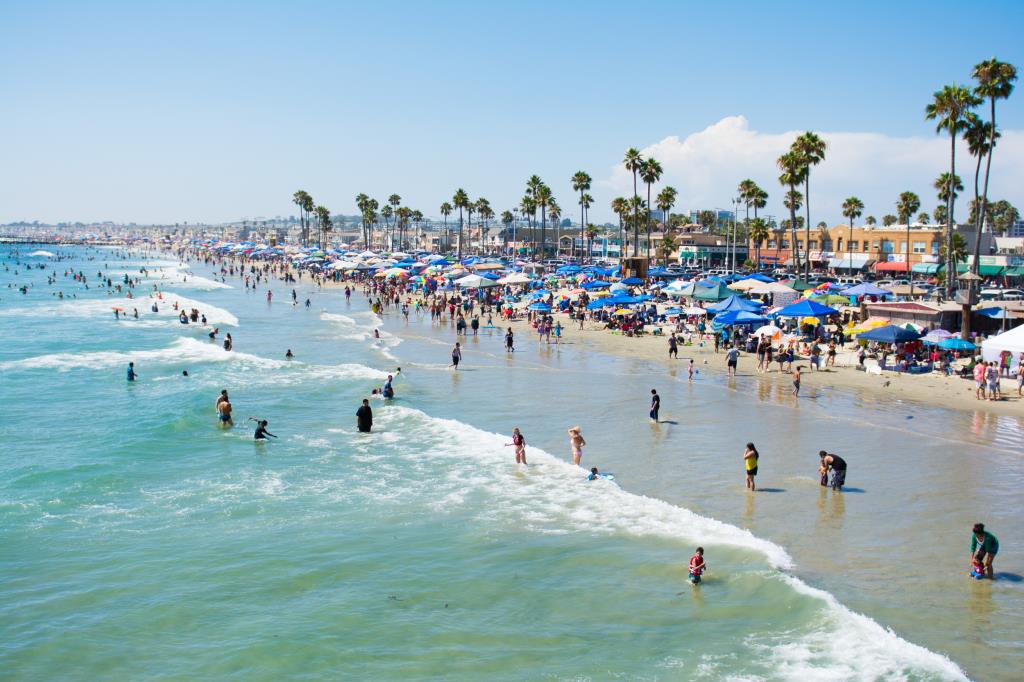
(796, 382)
(837, 465)
(731, 358)
(690, 370)
(456, 355)
(131, 375)
(992, 378)
(364, 417)
(673, 346)
(519, 443)
(985, 544)
(509, 341)
(576, 443)
(655, 405)
(979, 381)
(750, 457)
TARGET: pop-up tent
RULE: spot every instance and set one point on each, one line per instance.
(1012, 341)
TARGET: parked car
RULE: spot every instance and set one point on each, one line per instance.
(1013, 294)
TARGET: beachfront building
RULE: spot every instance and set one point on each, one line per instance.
(867, 248)
(708, 250)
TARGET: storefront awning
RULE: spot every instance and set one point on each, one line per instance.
(1014, 272)
(857, 261)
(926, 268)
(983, 270)
(890, 266)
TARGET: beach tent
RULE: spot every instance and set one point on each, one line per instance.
(769, 330)
(716, 293)
(996, 313)
(738, 317)
(680, 288)
(771, 288)
(866, 290)
(695, 311)
(475, 282)
(596, 284)
(633, 281)
(806, 309)
(746, 284)
(539, 307)
(515, 278)
(936, 335)
(955, 343)
(798, 285)
(734, 302)
(1012, 341)
(890, 333)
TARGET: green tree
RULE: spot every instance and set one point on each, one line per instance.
(506, 219)
(852, 209)
(906, 205)
(759, 232)
(446, 210)
(619, 208)
(650, 173)
(994, 81)
(460, 200)
(323, 221)
(949, 108)
(811, 149)
(870, 220)
(543, 197)
(959, 252)
(591, 234)
(888, 220)
(793, 169)
(302, 199)
(924, 218)
(581, 183)
(632, 161)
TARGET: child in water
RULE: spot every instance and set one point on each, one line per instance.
(978, 566)
(697, 566)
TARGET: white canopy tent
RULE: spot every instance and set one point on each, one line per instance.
(1012, 341)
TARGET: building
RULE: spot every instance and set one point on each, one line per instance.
(706, 249)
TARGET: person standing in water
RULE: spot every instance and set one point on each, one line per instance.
(509, 342)
(697, 566)
(731, 358)
(364, 417)
(837, 465)
(456, 355)
(655, 405)
(796, 382)
(576, 443)
(691, 369)
(519, 443)
(388, 391)
(224, 410)
(261, 429)
(131, 375)
(750, 457)
(985, 544)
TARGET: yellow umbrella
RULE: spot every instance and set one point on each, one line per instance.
(623, 311)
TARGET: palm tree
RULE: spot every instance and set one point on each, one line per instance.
(906, 206)
(758, 234)
(870, 220)
(636, 206)
(543, 197)
(417, 219)
(666, 246)
(581, 183)
(852, 209)
(586, 201)
(949, 109)
(555, 213)
(793, 169)
(995, 81)
(959, 252)
(632, 161)
(323, 223)
(485, 212)
(528, 209)
(302, 200)
(924, 218)
(446, 210)
(361, 202)
(470, 209)
(812, 149)
(793, 201)
(386, 213)
(943, 184)
(666, 200)
(760, 199)
(460, 200)
(888, 220)
(619, 206)
(591, 233)
(506, 219)
(650, 173)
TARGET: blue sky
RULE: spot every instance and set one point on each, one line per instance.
(197, 111)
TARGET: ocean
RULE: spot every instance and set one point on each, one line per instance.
(141, 541)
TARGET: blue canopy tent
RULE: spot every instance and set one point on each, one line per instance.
(806, 309)
(995, 313)
(539, 307)
(865, 289)
(956, 343)
(737, 317)
(890, 333)
(596, 284)
(632, 281)
(734, 302)
(759, 277)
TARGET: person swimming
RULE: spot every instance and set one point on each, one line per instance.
(387, 391)
(289, 354)
(261, 429)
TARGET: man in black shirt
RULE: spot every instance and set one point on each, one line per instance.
(364, 417)
(837, 465)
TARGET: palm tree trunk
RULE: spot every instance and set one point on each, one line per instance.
(849, 241)
(950, 260)
(984, 195)
(910, 272)
(459, 252)
(636, 219)
(648, 223)
(807, 226)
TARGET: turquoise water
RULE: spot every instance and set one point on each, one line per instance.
(140, 540)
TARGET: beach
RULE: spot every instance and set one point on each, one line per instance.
(160, 542)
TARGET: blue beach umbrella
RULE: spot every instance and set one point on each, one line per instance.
(890, 333)
(955, 343)
(632, 281)
(806, 309)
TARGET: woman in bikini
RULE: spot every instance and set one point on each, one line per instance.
(576, 442)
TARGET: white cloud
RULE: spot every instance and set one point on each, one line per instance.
(707, 166)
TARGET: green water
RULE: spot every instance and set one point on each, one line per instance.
(141, 541)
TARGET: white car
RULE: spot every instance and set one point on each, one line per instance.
(1012, 295)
